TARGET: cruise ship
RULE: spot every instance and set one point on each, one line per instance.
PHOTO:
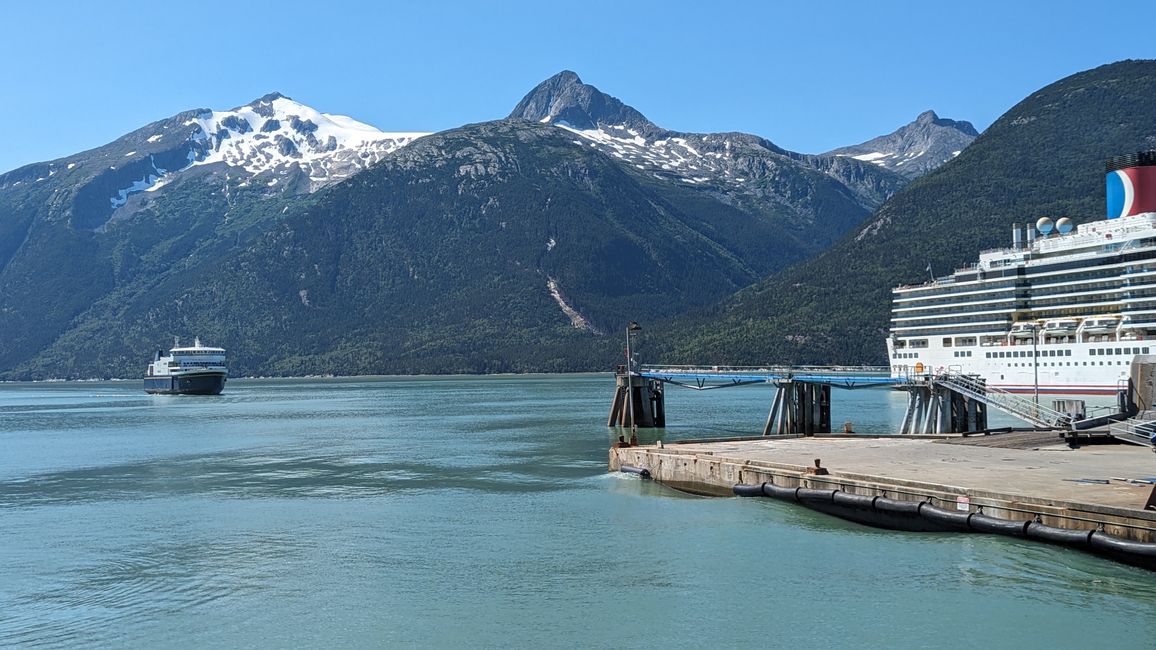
(196, 370)
(1064, 309)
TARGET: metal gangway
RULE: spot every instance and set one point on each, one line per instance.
(1140, 430)
(1015, 405)
(708, 377)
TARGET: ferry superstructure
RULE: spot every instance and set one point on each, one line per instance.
(1063, 310)
(195, 370)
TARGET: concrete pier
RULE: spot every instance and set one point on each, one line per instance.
(1049, 484)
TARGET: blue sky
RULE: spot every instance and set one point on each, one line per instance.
(809, 76)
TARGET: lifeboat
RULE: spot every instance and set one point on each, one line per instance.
(1130, 330)
(1023, 330)
(1103, 325)
(1060, 326)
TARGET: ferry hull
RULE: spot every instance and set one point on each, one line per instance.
(199, 384)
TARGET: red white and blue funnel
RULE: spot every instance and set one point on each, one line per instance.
(1131, 184)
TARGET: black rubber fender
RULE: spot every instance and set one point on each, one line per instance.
(631, 469)
(1067, 536)
(779, 491)
(749, 490)
(883, 504)
(953, 518)
(1105, 542)
(808, 494)
(1012, 527)
(860, 501)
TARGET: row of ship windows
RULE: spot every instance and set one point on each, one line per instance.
(1039, 309)
(1013, 354)
(1074, 269)
(1064, 353)
(1109, 275)
(1041, 296)
(1099, 300)
(1065, 363)
(1109, 280)
(935, 292)
(1017, 354)
(1138, 260)
(1133, 288)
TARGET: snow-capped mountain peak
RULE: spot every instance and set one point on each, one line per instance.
(605, 122)
(737, 163)
(276, 132)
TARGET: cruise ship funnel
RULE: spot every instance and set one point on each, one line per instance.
(1131, 184)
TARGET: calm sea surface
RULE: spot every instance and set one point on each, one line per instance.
(476, 512)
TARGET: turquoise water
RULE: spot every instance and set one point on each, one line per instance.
(475, 512)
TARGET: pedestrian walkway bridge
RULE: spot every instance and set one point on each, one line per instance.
(937, 403)
(707, 377)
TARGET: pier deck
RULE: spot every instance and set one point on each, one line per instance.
(1017, 484)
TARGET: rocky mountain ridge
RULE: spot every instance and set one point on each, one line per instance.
(308, 243)
(746, 167)
(916, 148)
(274, 143)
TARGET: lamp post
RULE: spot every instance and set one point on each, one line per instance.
(631, 330)
(1036, 361)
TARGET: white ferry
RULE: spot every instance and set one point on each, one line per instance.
(1063, 310)
(196, 370)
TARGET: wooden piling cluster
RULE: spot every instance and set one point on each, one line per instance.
(644, 397)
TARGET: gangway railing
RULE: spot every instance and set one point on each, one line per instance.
(703, 377)
(1010, 403)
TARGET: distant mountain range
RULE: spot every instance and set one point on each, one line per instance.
(311, 243)
(1045, 156)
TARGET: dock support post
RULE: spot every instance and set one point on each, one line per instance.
(916, 398)
(658, 403)
(772, 425)
(799, 408)
(938, 409)
(618, 406)
(637, 400)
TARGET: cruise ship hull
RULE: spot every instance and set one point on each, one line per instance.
(1093, 368)
(186, 384)
(1066, 308)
